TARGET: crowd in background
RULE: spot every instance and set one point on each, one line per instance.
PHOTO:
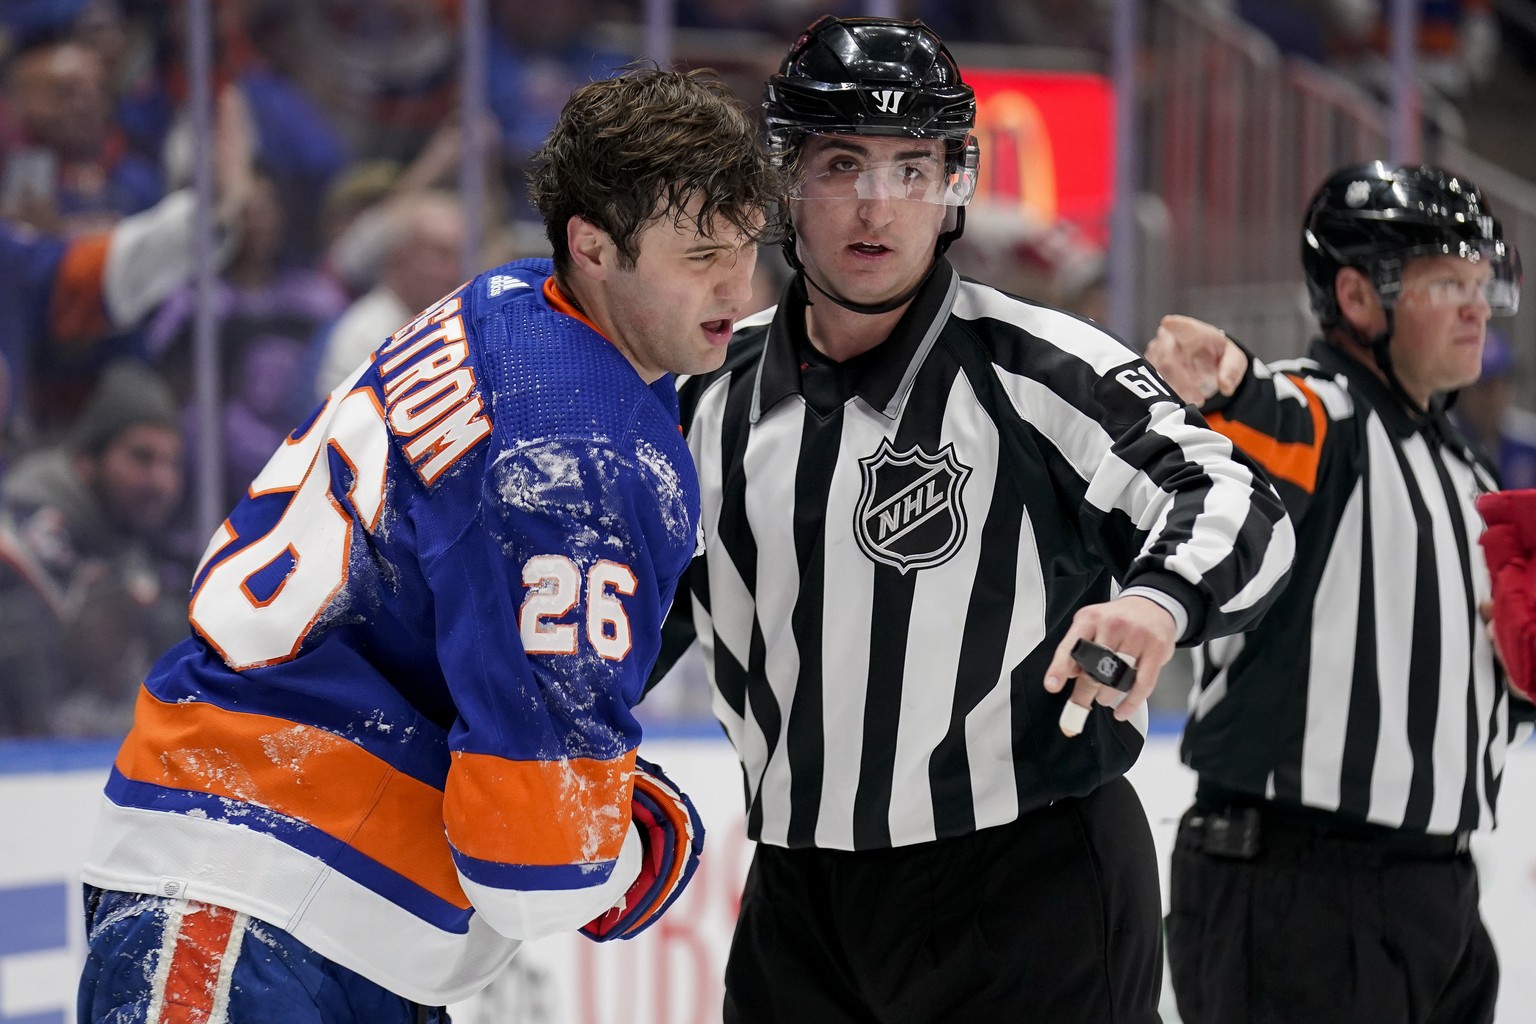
(337, 152)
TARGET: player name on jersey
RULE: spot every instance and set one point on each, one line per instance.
(429, 395)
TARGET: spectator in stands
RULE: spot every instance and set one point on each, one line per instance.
(396, 67)
(261, 49)
(123, 44)
(1456, 50)
(538, 53)
(1486, 411)
(129, 36)
(1458, 43)
(66, 299)
(367, 186)
(256, 297)
(86, 599)
(68, 169)
(419, 241)
(102, 26)
(359, 187)
(259, 410)
(296, 140)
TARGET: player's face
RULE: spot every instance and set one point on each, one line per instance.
(673, 312)
(1441, 318)
(872, 239)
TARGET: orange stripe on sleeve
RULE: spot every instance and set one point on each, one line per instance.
(77, 312)
(305, 773)
(542, 813)
(1292, 461)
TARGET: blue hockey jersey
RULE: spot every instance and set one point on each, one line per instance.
(401, 730)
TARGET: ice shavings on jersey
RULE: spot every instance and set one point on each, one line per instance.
(379, 722)
(216, 769)
(290, 749)
(541, 476)
(671, 497)
(595, 819)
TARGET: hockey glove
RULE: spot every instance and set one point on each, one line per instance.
(673, 837)
(1509, 545)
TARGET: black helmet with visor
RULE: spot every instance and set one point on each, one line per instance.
(1375, 218)
(874, 77)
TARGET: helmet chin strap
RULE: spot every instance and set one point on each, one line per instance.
(792, 256)
(1380, 347)
(868, 308)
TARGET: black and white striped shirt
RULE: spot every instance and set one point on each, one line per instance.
(894, 546)
(1370, 689)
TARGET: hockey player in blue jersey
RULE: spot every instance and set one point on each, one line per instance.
(399, 741)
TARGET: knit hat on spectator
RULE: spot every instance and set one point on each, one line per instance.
(127, 394)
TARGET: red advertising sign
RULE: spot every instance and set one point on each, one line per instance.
(1047, 143)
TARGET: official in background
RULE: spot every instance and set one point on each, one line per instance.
(1350, 744)
(919, 493)
(399, 742)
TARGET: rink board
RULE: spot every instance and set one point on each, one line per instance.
(671, 975)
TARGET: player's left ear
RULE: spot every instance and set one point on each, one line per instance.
(592, 250)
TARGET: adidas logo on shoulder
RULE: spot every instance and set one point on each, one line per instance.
(504, 283)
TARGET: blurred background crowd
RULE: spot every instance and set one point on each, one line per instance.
(338, 147)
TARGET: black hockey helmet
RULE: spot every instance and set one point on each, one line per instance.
(1375, 218)
(874, 76)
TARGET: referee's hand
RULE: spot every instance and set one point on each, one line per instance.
(1196, 359)
(1131, 626)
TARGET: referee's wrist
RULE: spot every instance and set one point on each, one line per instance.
(1167, 603)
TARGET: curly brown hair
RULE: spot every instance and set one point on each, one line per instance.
(632, 149)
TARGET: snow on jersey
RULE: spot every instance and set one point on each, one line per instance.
(402, 728)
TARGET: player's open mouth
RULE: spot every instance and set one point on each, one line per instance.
(719, 331)
(869, 248)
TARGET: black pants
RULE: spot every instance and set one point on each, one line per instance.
(1051, 918)
(1326, 923)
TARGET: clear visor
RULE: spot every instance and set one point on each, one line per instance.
(1483, 272)
(883, 168)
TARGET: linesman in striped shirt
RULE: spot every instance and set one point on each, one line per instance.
(1350, 744)
(918, 493)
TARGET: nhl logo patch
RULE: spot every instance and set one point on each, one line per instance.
(909, 513)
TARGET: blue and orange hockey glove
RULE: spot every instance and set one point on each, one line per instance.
(1509, 545)
(673, 837)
